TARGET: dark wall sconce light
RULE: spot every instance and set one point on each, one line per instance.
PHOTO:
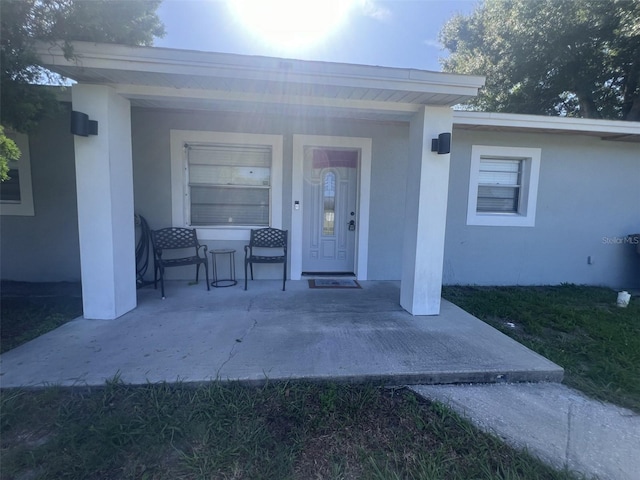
(81, 125)
(442, 144)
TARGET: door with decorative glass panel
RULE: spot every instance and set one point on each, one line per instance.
(329, 210)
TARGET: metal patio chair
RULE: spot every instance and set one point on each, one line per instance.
(263, 239)
(175, 238)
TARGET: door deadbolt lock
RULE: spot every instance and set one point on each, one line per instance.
(352, 225)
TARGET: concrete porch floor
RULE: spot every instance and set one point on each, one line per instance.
(264, 333)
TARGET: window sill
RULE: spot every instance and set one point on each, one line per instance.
(222, 233)
(501, 220)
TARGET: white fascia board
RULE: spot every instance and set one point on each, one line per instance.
(159, 93)
(567, 124)
(189, 62)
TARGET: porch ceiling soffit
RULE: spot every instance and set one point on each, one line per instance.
(168, 78)
(612, 130)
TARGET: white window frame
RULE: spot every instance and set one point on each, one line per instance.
(23, 165)
(179, 193)
(526, 214)
(365, 146)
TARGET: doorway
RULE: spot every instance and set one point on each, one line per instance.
(329, 218)
(330, 199)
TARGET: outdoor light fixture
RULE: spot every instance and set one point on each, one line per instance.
(442, 144)
(81, 125)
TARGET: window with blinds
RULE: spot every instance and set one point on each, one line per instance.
(503, 186)
(499, 185)
(229, 184)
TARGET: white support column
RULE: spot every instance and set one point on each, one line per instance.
(426, 213)
(104, 180)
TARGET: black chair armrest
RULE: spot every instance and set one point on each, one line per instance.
(177, 239)
(266, 238)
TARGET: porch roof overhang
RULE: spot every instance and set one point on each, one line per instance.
(194, 80)
(612, 130)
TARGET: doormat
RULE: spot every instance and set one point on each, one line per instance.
(333, 283)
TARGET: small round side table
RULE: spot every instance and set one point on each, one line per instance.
(231, 280)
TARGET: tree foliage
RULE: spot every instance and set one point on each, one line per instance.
(23, 22)
(552, 57)
(9, 151)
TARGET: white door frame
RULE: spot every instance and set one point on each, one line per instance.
(363, 197)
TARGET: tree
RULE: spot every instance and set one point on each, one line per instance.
(551, 57)
(23, 22)
(9, 151)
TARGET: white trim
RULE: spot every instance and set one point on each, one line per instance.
(526, 216)
(178, 168)
(572, 124)
(23, 164)
(88, 55)
(364, 197)
(142, 92)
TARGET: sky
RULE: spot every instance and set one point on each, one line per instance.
(390, 33)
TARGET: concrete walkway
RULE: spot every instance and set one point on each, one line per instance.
(227, 333)
(557, 424)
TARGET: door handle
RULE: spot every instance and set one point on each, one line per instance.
(352, 225)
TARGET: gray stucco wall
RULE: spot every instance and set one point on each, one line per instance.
(152, 174)
(588, 201)
(45, 247)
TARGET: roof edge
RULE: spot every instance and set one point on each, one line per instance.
(148, 57)
(516, 120)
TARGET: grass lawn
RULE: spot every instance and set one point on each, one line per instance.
(308, 431)
(226, 431)
(579, 328)
(26, 316)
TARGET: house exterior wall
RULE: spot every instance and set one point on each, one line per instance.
(152, 175)
(588, 201)
(44, 247)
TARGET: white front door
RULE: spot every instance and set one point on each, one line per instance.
(330, 220)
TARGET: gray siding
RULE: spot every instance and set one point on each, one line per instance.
(588, 195)
(45, 247)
